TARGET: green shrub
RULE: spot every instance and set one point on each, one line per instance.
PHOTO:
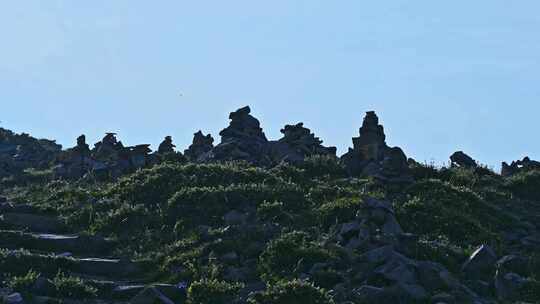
(339, 211)
(323, 166)
(23, 284)
(436, 209)
(292, 292)
(212, 292)
(289, 255)
(525, 184)
(156, 185)
(72, 287)
(211, 203)
(274, 212)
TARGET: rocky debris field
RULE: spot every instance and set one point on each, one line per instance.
(251, 220)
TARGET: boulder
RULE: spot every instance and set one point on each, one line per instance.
(201, 145)
(166, 146)
(513, 263)
(507, 285)
(481, 263)
(462, 160)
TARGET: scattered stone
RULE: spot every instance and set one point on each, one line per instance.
(14, 298)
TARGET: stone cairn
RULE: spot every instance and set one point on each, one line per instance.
(243, 139)
(166, 146)
(371, 156)
(201, 145)
(109, 158)
(304, 142)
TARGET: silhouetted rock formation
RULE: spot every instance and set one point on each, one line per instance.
(74, 162)
(243, 139)
(109, 159)
(520, 165)
(166, 146)
(201, 145)
(460, 159)
(303, 141)
(21, 151)
(370, 156)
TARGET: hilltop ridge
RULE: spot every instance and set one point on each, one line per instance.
(247, 219)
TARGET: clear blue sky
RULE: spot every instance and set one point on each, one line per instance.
(442, 75)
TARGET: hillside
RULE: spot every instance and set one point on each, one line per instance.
(252, 220)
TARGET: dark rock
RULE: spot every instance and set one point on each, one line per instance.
(300, 143)
(370, 294)
(513, 263)
(234, 217)
(166, 146)
(408, 293)
(481, 263)
(201, 145)
(507, 285)
(14, 298)
(370, 156)
(242, 140)
(434, 276)
(460, 159)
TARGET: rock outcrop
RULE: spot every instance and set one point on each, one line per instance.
(462, 160)
(520, 165)
(109, 158)
(371, 156)
(21, 151)
(243, 140)
(166, 146)
(201, 145)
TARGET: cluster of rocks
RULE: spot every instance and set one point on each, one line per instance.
(371, 156)
(21, 151)
(384, 271)
(201, 145)
(109, 157)
(518, 166)
(245, 140)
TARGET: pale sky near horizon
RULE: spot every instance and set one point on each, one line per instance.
(442, 76)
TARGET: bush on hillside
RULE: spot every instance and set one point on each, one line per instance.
(292, 292)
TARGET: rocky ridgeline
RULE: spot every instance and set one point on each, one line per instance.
(242, 140)
(108, 158)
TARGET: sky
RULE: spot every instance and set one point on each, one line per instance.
(442, 75)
